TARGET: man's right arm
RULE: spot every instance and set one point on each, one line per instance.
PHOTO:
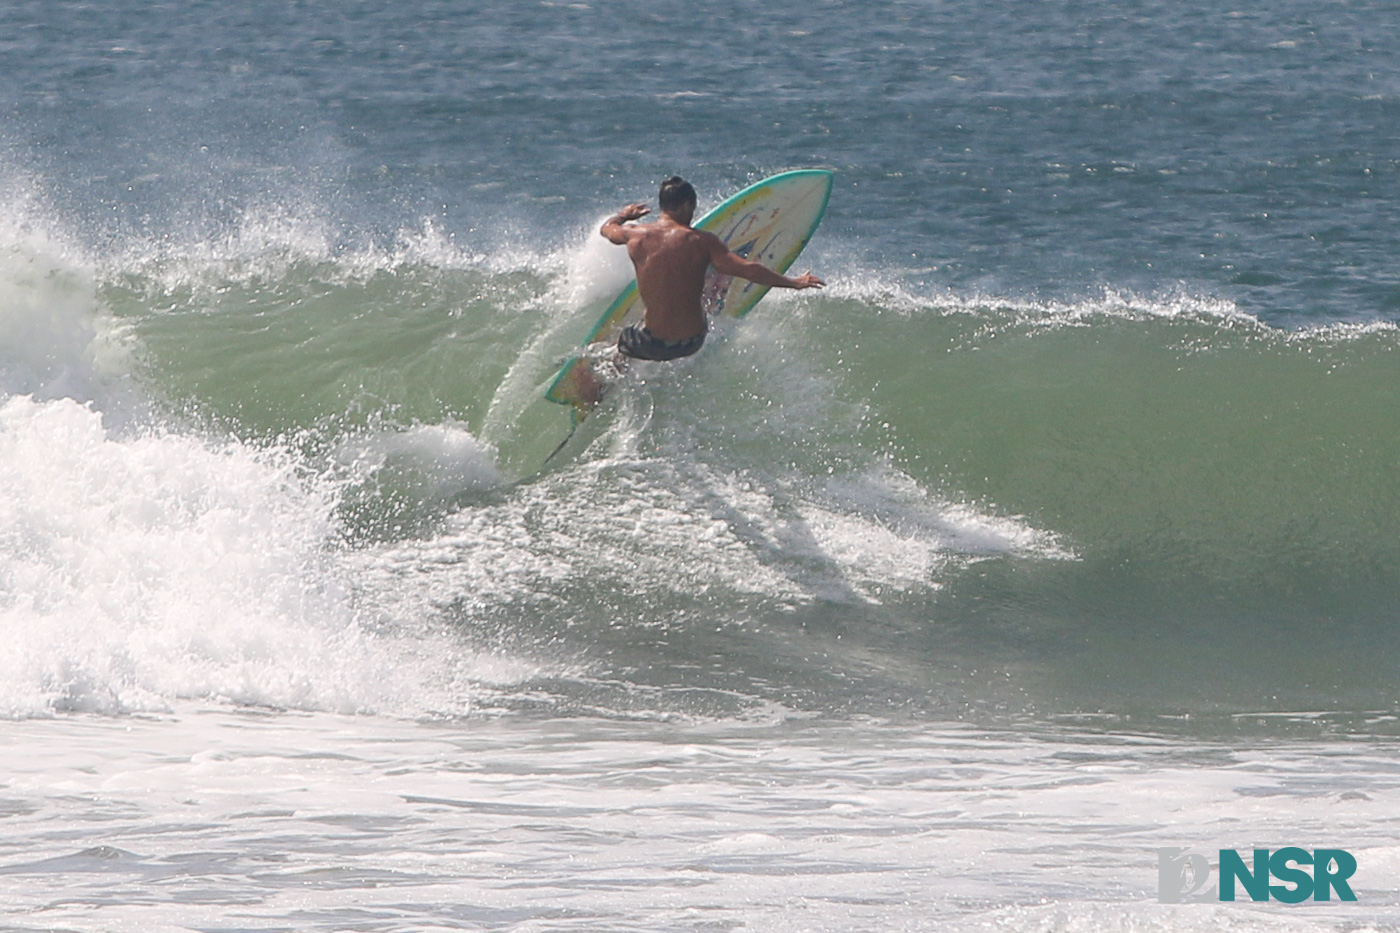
(613, 227)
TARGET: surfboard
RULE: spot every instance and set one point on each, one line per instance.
(769, 222)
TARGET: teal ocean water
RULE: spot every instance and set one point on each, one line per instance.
(1059, 528)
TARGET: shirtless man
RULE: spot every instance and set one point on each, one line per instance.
(671, 258)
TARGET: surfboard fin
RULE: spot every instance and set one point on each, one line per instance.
(575, 419)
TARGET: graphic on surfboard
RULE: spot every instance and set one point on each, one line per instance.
(768, 222)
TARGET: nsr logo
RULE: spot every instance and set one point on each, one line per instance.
(1180, 875)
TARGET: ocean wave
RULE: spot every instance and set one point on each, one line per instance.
(837, 474)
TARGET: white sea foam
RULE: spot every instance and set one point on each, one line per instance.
(788, 825)
(58, 340)
(595, 270)
(136, 570)
(157, 566)
(884, 292)
(440, 459)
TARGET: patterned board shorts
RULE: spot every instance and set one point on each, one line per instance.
(641, 344)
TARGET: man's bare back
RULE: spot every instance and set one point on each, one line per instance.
(671, 259)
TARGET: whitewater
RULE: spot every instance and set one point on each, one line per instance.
(1057, 530)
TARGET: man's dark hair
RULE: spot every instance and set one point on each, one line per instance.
(676, 192)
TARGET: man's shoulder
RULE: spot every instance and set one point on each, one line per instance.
(705, 238)
(686, 238)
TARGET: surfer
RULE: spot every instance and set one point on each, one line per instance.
(671, 258)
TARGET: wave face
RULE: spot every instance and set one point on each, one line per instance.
(286, 474)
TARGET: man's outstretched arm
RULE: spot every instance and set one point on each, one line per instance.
(612, 227)
(730, 263)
